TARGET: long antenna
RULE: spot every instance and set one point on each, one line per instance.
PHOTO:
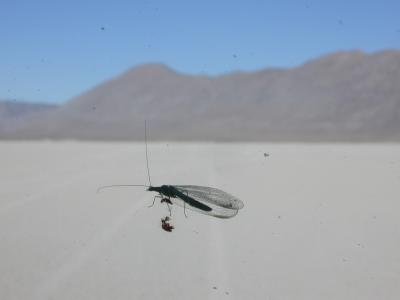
(147, 157)
(114, 185)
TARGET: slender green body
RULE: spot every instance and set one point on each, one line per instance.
(171, 192)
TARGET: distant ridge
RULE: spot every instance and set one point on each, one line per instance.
(14, 115)
(344, 96)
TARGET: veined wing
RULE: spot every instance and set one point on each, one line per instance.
(207, 200)
(211, 195)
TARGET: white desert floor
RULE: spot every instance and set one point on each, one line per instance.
(319, 222)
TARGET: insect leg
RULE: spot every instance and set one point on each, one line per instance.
(169, 207)
(184, 205)
(169, 198)
(154, 200)
(184, 209)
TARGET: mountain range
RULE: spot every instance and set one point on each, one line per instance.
(344, 96)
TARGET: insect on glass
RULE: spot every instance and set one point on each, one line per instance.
(202, 199)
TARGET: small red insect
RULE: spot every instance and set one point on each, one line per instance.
(166, 225)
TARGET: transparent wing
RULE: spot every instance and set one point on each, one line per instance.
(207, 200)
(210, 195)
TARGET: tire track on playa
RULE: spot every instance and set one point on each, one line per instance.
(56, 279)
(72, 179)
(49, 190)
(218, 275)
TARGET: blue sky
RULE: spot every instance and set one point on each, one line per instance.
(53, 50)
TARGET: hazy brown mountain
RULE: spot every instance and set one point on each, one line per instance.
(346, 96)
(14, 115)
